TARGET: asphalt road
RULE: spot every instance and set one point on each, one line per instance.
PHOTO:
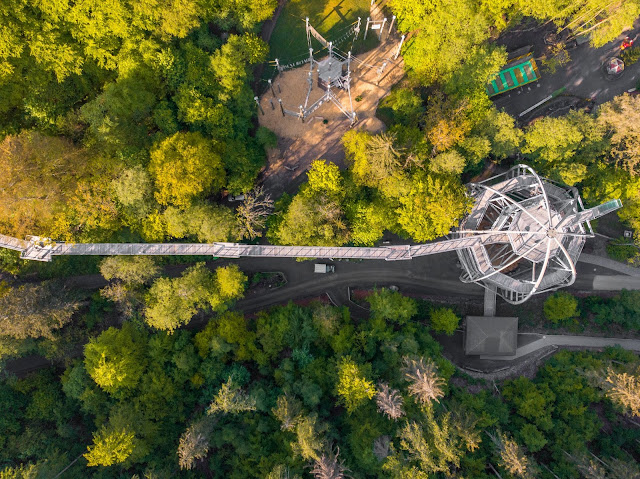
(582, 76)
(436, 275)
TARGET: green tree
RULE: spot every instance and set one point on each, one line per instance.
(172, 303)
(376, 162)
(35, 310)
(503, 133)
(185, 166)
(620, 117)
(129, 269)
(560, 306)
(127, 275)
(391, 305)
(369, 220)
(207, 223)
(565, 147)
(230, 282)
(444, 320)
(36, 185)
(317, 221)
(116, 359)
(446, 30)
(448, 162)
(243, 14)
(353, 387)
(134, 190)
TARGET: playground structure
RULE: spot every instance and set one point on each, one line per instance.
(518, 72)
(332, 72)
(523, 237)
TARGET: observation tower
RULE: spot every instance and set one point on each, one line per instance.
(531, 232)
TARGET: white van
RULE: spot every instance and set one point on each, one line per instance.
(324, 268)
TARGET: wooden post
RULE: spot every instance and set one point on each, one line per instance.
(366, 30)
(271, 86)
(393, 20)
(384, 20)
(395, 57)
(273, 107)
(281, 107)
(279, 89)
(258, 103)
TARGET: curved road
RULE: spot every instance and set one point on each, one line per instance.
(428, 275)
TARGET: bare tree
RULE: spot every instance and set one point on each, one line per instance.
(389, 402)
(425, 385)
(624, 390)
(194, 442)
(624, 469)
(287, 411)
(588, 467)
(512, 457)
(381, 447)
(253, 212)
(327, 466)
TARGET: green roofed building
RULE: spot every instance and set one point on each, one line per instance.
(519, 71)
(491, 336)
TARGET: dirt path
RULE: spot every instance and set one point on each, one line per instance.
(319, 137)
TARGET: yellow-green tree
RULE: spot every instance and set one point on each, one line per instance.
(172, 302)
(560, 306)
(185, 166)
(444, 320)
(433, 206)
(110, 446)
(116, 359)
(353, 388)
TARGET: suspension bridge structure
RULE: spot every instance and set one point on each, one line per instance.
(523, 237)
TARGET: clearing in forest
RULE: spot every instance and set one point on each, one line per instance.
(329, 17)
(319, 137)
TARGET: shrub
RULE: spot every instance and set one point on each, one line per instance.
(444, 320)
(630, 56)
(560, 307)
(266, 137)
(621, 252)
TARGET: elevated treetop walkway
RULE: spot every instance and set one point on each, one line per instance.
(522, 237)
